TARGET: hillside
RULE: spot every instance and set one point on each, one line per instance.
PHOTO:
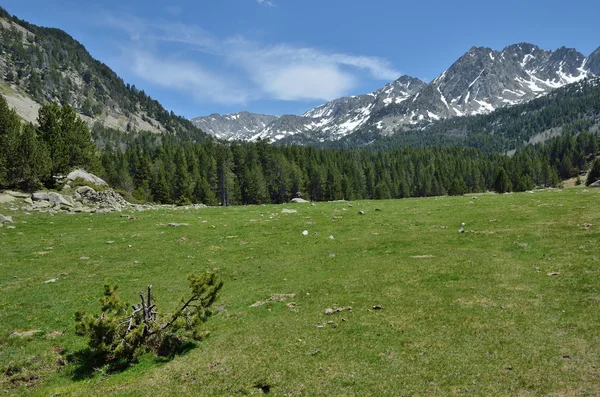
(40, 65)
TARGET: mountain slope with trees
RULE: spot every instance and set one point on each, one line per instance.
(47, 65)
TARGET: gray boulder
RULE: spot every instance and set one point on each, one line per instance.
(595, 184)
(59, 200)
(83, 190)
(17, 194)
(40, 196)
(6, 219)
(6, 198)
(86, 176)
(41, 204)
(299, 200)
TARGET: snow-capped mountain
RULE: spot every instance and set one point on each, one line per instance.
(238, 126)
(479, 82)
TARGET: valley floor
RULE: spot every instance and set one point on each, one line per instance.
(509, 307)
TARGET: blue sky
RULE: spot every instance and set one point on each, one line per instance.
(287, 56)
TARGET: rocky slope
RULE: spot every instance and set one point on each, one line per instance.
(238, 126)
(40, 65)
(479, 82)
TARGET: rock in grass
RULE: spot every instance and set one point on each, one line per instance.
(178, 224)
(288, 211)
(361, 212)
(461, 230)
(52, 280)
(57, 199)
(305, 233)
(5, 198)
(17, 194)
(5, 219)
(299, 200)
(40, 196)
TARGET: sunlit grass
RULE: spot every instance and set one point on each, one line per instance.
(472, 313)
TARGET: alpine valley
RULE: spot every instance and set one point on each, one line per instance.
(478, 83)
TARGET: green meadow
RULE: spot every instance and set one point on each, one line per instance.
(510, 307)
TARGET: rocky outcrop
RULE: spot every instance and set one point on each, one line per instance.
(86, 176)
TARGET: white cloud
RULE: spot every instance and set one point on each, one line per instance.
(284, 71)
(266, 3)
(187, 77)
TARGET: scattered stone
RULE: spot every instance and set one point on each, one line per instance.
(332, 255)
(274, 298)
(315, 352)
(595, 184)
(350, 205)
(313, 204)
(331, 238)
(374, 234)
(52, 280)
(333, 310)
(25, 334)
(422, 256)
(291, 305)
(183, 239)
(6, 219)
(29, 201)
(299, 200)
(553, 274)
(522, 244)
(288, 211)
(587, 225)
(461, 230)
(361, 212)
(178, 224)
(54, 334)
(305, 233)
(84, 258)
(377, 209)
(110, 242)
(378, 307)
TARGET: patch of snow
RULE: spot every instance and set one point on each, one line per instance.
(477, 78)
(433, 116)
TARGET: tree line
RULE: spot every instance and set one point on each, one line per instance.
(170, 169)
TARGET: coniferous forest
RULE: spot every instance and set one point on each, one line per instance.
(169, 169)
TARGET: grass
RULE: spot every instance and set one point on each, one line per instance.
(464, 314)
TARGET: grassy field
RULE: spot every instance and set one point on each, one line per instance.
(510, 307)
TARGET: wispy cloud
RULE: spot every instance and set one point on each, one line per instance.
(242, 70)
(266, 3)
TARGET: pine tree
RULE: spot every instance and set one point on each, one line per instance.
(502, 183)
(594, 174)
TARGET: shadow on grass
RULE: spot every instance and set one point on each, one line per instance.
(86, 363)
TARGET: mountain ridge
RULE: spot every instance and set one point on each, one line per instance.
(479, 82)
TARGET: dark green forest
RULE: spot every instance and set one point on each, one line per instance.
(171, 169)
